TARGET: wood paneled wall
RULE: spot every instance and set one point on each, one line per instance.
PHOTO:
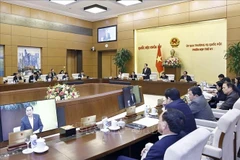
(179, 13)
(54, 44)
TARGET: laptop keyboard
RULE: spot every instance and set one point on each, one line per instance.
(135, 126)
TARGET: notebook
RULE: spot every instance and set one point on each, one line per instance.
(19, 137)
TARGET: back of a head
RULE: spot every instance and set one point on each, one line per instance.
(196, 90)
(175, 120)
(172, 93)
(221, 76)
(226, 79)
(219, 83)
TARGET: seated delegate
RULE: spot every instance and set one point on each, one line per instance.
(17, 77)
(33, 78)
(171, 123)
(164, 76)
(217, 97)
(82, 75)
(185, 77)
(232, 95)
(133, 76)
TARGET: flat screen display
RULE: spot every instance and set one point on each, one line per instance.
(37, 115)
(107, 34)
(131, 96)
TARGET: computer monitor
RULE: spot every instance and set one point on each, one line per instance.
(131, 96)
(14, 117)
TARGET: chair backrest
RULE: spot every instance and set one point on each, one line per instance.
(43, 77)
(189, 147)
(60, 76)
(10, 79)
(125, 75)
(26, 77)
(75, 75)
(223, 136)
(153, 77)
(139, 75)
(171, 77)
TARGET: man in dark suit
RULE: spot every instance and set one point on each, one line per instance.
(132, 98)
(171, 123)
(81, 75)
(173, 101)
(146, 71)
(31, 121)
(54, 75)
(133, 76)
(185, 77)
(33, 78)
(199, 105)
(230, 90)
(17, 77)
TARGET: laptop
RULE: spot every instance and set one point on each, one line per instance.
(16, 138)
(131, 111)
(88, 121)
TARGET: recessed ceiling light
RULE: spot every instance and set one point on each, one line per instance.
(95, 8)
(129, 2)
(63, 2)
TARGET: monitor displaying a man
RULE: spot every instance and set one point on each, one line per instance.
(31, 121)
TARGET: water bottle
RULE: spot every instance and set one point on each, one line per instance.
(33, 139)
(146, 111)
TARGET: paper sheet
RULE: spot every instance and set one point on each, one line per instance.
(147, 121)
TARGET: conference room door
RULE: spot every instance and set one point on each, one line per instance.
(74, 61)
(109, 69)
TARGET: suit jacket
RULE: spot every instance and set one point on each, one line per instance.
(16, 79)
(37, 123)
(47, 77)
(81, 75)
(158, 149)
(147, 73)
(219, 97)
(31, 78)
(54, 74)
(180, 105)
(133, 77)
(188, 78)
(132, 99)
(201, 109)
(230, 100)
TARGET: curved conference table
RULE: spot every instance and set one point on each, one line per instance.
(100, 99)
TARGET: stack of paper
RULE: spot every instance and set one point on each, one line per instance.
(147, 121)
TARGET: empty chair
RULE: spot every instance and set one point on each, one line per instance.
(43, 77)
(26, 77)
(75, 75)
(125, 75)
(189, 147)
(223, 135)
(10, 79)
(16, 129)
(153, 77)
(59, 76)
(171, 77)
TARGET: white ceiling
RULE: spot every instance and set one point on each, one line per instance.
(76, 9)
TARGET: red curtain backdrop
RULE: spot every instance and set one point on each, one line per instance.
(159, 64)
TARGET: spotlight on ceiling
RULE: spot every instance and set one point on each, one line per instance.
(63, 2)
(95, 8)
(129, 2)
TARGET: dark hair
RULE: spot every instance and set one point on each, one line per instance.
(196, 90)
(175, 120)
(185, 71)
(172, 93)
(226, 79)
(146, 64)
(221, 76)
(238, 80)
(231, 85)
(219, 84)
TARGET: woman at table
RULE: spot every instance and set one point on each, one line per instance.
(218, 96)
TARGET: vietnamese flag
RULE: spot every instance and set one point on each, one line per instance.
(159, 64)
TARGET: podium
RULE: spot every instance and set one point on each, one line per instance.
(176, 71)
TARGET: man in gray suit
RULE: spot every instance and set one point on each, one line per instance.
(199, 105)
(232, 96)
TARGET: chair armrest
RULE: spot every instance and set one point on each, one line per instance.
(206, 123)
(212, 151)
(208, 128)
(218, 114)
(219, 110)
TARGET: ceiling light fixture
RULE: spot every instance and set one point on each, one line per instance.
(63, 2)
(129, 2)
(95, 8)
